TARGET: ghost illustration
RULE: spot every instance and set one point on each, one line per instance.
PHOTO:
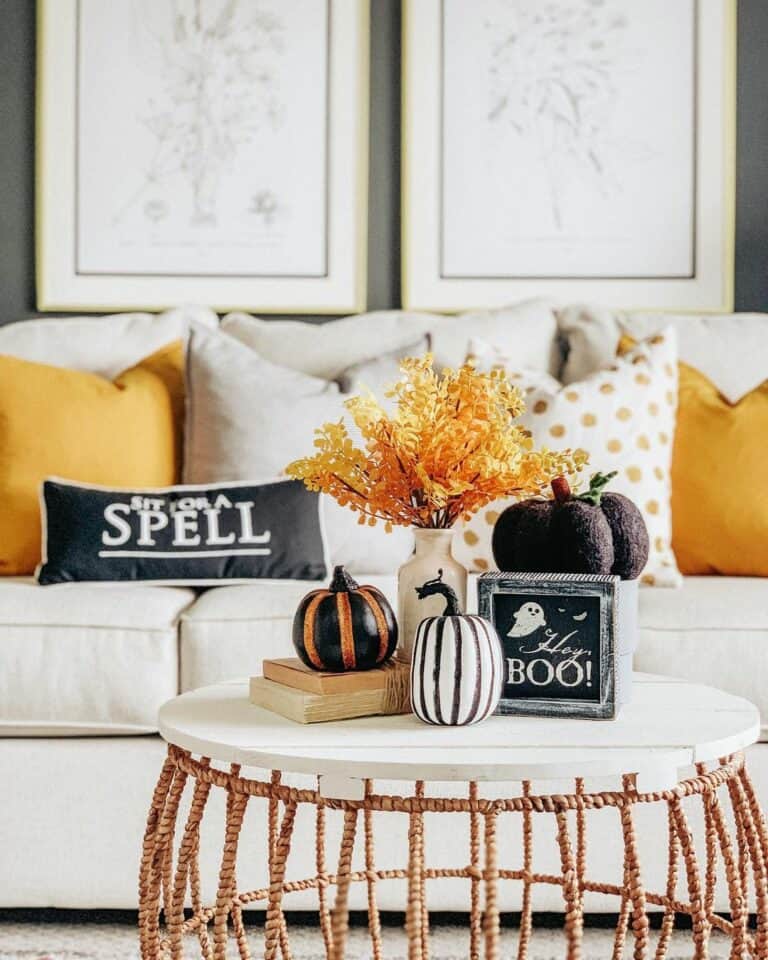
(527, 619)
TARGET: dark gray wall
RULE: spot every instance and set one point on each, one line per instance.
(17, 69)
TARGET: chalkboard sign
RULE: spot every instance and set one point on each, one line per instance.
(558, 632)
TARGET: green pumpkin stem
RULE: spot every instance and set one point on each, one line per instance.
(342, 582)
(597, 486)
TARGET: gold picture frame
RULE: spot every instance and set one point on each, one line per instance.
(426, 285)
(336, 285)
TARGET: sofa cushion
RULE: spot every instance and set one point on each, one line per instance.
(82, 660)
(713, 630)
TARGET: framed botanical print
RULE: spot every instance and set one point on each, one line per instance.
(202, 151)
(578, 149)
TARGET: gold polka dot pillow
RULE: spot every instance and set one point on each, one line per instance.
(624, 415)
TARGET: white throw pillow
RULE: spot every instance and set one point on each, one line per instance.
(729, 349)
(248, 418)
(103, 345)
(624, 416)
(527, 330)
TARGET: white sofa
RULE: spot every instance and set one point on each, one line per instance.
(83, 671)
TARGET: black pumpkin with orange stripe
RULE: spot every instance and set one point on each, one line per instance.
(346, 627)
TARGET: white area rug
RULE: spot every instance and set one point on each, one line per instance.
(72, 941)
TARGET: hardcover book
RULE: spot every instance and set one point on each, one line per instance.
(310, 696)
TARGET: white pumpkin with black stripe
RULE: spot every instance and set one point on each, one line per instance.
(457, 666)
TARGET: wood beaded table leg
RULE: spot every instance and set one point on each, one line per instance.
(491, 922)
(736, 897)
(668, 921)
(526, 914)
(699, 919)
(422, 880)
(640, 924)
(754, 856)
(475, 913)
(187, 851)
(272, 819)
(374, 922)
(413, 923)
(322, 878)
(149, 931)
(574, 919)
(581, 838)
(274, 921)
(167, 831)
(340, 915)
(236, 804)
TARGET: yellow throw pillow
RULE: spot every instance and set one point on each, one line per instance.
(719, 466)
(79, 426)
(719, 460)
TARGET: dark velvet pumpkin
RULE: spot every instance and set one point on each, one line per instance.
(346, 627)
(594, 532)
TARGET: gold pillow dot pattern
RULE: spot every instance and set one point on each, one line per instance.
(481, 563)
(658, 473)
(614, 445)
(643, 442)
(557, 430)
(643, 379)
(588, 419)
(470, 537)
(635, 474)
(623, 414)
(653, 409)
(572, 396)
(663, 438)
(659, 544)
(540, 406)
(607, 388)
(491, 517)
(670, 397)
(652, 506)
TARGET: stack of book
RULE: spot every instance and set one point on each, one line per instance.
(309, 696)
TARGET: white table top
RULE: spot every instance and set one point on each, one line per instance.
(669, 724)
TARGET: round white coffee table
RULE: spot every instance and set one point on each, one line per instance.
(670, 724)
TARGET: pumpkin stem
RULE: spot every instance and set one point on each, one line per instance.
(452, 608)
(342, 582)
(561, 489)
(597, 486)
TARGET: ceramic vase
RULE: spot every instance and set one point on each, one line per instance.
(432, 554)
(457, 670)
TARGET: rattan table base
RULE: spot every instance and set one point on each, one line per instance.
(735, 846)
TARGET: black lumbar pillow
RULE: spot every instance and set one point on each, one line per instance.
(184, 535)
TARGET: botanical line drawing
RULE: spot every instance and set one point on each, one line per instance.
(553, 70)
(215, 66)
